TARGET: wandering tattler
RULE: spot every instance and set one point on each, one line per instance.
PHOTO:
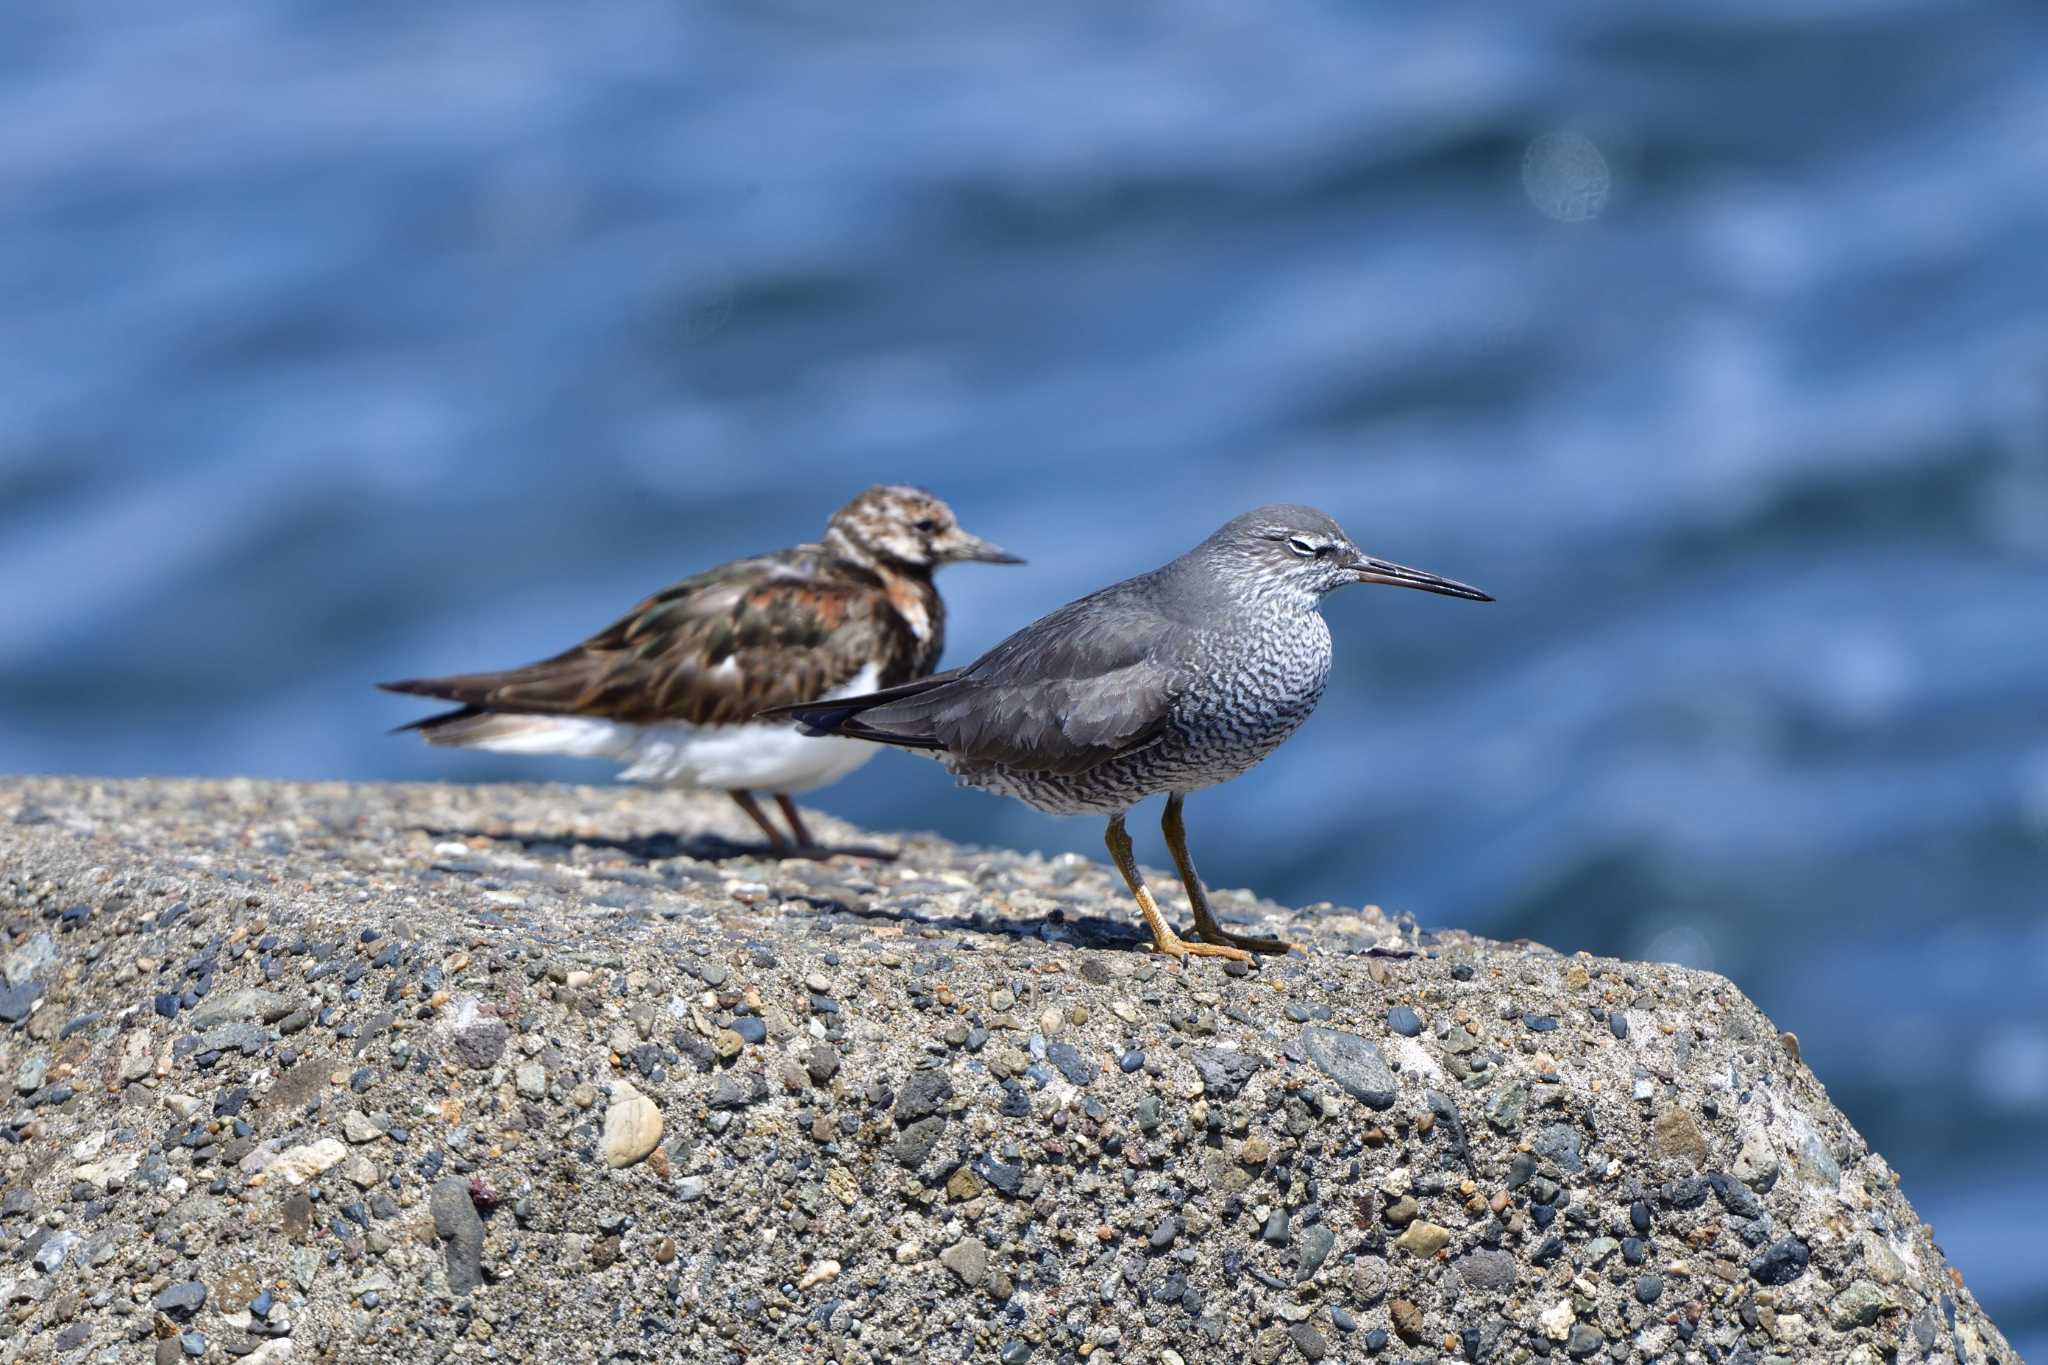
(1169, 682)
(672, 688)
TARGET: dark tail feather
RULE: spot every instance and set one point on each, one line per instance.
(447, 689)
(844, 716)
(462, 687)
(435, 721)
(471, 690)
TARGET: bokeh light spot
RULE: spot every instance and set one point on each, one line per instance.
(1565, 177)
(2012, 1068)
(1682, 944)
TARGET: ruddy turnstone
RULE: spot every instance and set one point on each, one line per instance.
(1169, 682)
(673, 688)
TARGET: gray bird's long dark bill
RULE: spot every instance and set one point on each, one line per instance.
(1370, 570)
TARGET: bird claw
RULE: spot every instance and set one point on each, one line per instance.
(1181, 949)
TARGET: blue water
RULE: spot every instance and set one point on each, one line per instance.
(348, 342)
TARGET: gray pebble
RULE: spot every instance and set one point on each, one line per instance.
(1782, 1263)
(1308, 1341)
(1485, 1270)
(1559, 1142)
(1224, 1072)
(181, 1300)
(1354, 1063)
(923, 1095)
(51, 1253)
(1077, 1069)
(461, 1232)
(1316, 1244)
(481, 1044)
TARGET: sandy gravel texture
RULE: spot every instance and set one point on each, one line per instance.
(339, 1073)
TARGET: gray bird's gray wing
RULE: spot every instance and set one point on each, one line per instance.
(1093, 680)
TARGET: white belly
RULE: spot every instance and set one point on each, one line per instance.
(773, 758)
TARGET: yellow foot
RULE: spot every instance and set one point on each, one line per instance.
(1179, 948)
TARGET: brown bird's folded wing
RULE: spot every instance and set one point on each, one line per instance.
(1093, 680)
(712, 650)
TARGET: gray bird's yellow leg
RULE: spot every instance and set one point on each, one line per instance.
(1164, 940)
(1206, 927)
(796, 823)
(777, 841)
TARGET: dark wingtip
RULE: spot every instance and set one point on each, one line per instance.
(439, 718)
(814, 720)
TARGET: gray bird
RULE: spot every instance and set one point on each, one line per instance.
(1169, 682)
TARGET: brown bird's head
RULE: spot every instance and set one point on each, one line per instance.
(905, 528)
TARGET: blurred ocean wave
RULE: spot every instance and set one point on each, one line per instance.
(345, 344)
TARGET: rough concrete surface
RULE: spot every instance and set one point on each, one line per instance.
(320, 1072)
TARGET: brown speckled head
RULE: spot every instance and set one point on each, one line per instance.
(896, 526)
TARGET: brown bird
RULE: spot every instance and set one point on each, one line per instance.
(673, 688)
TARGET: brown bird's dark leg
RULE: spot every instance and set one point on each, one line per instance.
(796, 823)
(777, 841)
(1206, 926)
(807, 847)
(1164, 940)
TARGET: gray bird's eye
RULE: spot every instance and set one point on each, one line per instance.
(1301, 547)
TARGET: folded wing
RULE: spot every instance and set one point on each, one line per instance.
(712, 650)
(1091, 681)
